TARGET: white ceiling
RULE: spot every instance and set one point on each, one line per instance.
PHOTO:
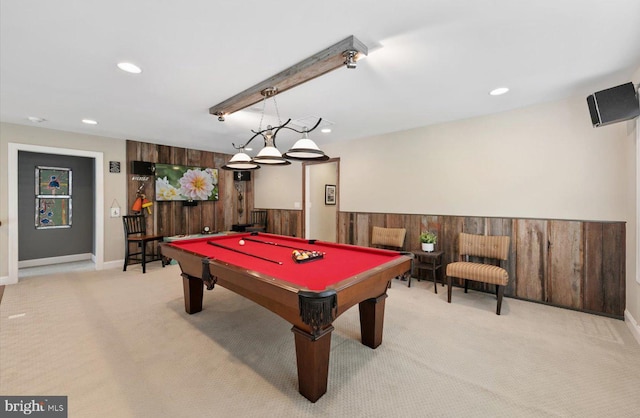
(430, 61)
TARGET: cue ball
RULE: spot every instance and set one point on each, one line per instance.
(241, 242)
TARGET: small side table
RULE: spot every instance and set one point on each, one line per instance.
(430, 261)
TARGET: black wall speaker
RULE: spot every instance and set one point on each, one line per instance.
(143, 168)
(242, 175)
(613, 105)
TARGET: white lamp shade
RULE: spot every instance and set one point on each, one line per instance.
(305, 149)
(241, 161)
(270, 155)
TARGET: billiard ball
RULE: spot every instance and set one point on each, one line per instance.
(241, 242)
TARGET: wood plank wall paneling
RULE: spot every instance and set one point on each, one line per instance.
(173, 218)
(594, 290)
(571, 264)
(614, 270)
(565, 263)
(531, 248)
(284, 222)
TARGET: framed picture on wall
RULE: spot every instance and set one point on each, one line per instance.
(53, 197)
(53, 213)
(53, 181)
(329, 194)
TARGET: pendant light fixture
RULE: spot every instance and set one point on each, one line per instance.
(304, 149)
(269, 154)
(240, 161)
(341, 54)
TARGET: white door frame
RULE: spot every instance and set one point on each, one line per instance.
(12, 166)
(306, 212)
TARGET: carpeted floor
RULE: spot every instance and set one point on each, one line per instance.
(119, 344)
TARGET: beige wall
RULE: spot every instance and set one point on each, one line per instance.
(115, 185)
(278, 187)
(544, 161)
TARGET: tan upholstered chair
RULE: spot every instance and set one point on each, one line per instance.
(391, 239)
(488, 247)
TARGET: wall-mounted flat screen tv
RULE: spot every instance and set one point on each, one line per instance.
(178, 182)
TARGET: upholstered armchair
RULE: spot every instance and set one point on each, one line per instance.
(391, 239)
(493, 250)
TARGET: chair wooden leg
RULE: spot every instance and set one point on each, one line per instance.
(126, 256)
(162, 259)
(449, 289)
(435, 283)
(500, 292)
(144, 257)
(466, 285)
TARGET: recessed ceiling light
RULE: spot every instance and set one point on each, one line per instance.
(129, 67)
(325, 130)
(499, 91)
(89, 121)
(36, 119)
(248, 149)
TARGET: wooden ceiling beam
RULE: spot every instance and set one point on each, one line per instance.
(316, 65)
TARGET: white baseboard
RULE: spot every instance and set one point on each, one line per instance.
(54, 260)
(112, 264)
(632, 324)
(5, 280)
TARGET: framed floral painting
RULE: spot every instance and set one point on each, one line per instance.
(177, 182)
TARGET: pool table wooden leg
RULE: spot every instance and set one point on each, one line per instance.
(312, 357)
(193, 290)
(372, 320)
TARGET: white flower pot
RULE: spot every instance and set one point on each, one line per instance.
(428, 247)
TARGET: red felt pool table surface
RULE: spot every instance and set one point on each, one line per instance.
(338, 263)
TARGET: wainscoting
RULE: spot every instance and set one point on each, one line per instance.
(567, 263)
(284, 222)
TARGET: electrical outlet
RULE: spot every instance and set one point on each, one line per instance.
(115, 212)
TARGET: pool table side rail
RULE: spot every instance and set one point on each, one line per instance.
(281, 297)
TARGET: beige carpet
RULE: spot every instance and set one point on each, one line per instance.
(120, 345)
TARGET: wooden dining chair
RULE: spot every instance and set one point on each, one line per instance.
(135, 232)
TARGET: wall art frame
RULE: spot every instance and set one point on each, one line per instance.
(53, 197)
(329, 194)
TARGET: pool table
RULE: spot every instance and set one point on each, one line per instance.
(308, 293)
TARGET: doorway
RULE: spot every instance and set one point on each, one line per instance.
(13, 212)
(321, 199)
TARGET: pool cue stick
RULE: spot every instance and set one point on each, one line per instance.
(215, 244)
(275, 243)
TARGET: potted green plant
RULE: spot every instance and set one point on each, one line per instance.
(428, 240)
